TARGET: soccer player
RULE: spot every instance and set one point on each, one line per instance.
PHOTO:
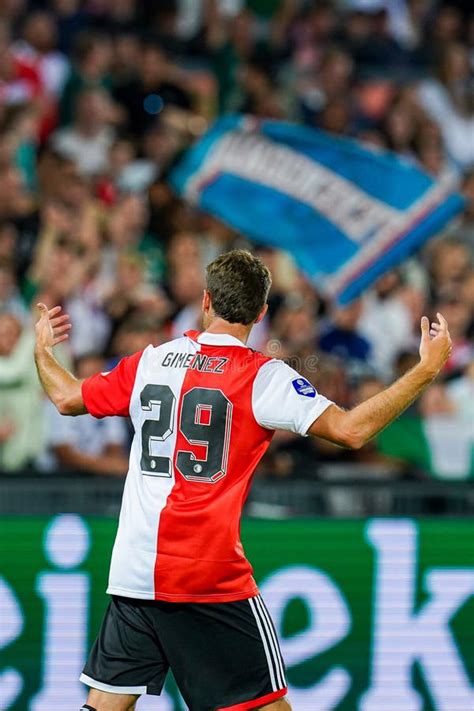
(204, 408)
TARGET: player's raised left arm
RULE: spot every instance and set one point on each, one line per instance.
(354, 428)
(62, 388)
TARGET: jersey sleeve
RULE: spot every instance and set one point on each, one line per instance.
(108, 394)
(284, 400)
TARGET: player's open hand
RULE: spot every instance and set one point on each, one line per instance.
(435, 346)
(52, 327)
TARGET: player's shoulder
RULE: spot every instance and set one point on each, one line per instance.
(279, 379)
(174, 344)
(258, 357)
(274, 373)
(270, 373)
(180, 342)
(269, 365)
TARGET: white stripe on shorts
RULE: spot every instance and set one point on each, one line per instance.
(88, 681)
(256, 614)
(274, 640)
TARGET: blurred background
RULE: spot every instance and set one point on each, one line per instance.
(98, 99)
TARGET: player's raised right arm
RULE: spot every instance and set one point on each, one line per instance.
(62, 388)
(282, 399)
(356, 427)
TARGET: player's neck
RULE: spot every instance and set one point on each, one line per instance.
(237, 330)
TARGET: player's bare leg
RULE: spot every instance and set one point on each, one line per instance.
(280, 705)
(103, 701)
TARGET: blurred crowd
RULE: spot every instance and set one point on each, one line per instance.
(98, 99)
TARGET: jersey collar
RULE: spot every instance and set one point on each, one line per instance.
(215, 339)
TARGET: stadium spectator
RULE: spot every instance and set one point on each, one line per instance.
(450, 264)
(38, 47)
(20, 81)
(86, 444)
(461, 393)
(465, 229)
(90, 70)
(21, 424)
(460, 317)
(448, 101)
(89, 139)
(21, 129)
(340, 336)
(386, 323)
(10, 298)
(72, 21)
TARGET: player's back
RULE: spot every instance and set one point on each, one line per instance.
(204, 408)
(196, 446)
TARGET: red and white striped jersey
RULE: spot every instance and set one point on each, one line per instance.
(204, 409)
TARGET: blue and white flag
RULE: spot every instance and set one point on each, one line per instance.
(347, 214)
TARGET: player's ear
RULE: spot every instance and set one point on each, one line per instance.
(261, 315)
(206, 301)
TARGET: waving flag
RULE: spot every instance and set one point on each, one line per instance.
(347, 214)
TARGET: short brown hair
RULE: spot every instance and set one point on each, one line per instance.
(238, 284)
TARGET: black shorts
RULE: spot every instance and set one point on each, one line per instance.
(223, 655)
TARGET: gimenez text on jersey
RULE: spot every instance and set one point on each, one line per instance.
(195, 361)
